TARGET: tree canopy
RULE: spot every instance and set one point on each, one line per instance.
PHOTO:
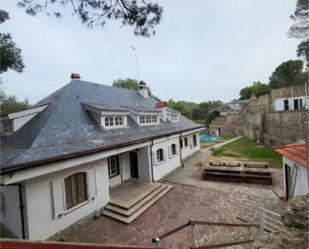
(300, 28)
(10, 55)
(288, 73)
(126, 83)
(143, 15)
(257, 88)
(10, 103)
(200, 112)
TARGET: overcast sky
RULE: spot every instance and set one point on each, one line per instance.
(203, 50)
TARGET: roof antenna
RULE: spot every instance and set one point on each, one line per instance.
(136, 63)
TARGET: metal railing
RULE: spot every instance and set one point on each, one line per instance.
(192, 223)
(269, 220)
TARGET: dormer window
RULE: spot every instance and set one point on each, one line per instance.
(109, 117)
(114, 122)
(148, 120)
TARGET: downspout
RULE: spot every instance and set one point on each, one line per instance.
(180, 151)
(21, 207)
(151, 160)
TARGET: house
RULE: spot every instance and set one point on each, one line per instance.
(228, 112)
(294, 169)
(60, 165)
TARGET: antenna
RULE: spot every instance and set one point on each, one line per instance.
(136, 63)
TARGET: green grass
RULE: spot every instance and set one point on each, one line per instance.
(246, 148)
(225, 138)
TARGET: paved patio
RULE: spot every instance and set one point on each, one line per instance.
(189, 198)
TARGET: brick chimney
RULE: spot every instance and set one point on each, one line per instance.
(75, 76)
(143, 89)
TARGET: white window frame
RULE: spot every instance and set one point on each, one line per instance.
(113, 166)
(159, 160)
(110, 122)
(148, 120)
(171, 150)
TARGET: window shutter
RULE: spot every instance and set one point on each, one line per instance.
(91, 183)
(57, 198)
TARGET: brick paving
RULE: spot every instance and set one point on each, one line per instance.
(189, 198)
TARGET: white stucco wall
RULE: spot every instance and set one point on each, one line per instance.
(10, 214)
(190, 149)
(169, 163)
(301, 186)
(279, 103)
(144, 164)
(45, 198)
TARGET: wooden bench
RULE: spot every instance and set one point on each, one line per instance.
(238, 174)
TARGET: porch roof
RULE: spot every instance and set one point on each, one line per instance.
(295, 152)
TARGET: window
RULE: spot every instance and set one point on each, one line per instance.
(186, 141)
(113, 121)
(75, 189)
(181, 143)
(286, 104)
(113, 166)
(148, 119)
(173, 150)
(159, 155)
(298, 104)
(194, 140)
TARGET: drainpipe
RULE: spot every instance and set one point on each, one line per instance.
(151, 160)
(21, 208)
(180, 151)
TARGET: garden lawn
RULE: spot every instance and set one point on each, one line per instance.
(246, 148)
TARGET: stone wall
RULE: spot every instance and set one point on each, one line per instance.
(284, 127)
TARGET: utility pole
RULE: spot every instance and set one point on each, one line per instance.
(136, 63)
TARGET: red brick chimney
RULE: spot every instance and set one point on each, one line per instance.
(75, 76)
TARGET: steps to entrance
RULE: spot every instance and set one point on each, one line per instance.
(128, 213)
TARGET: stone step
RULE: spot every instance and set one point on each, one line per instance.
(138, 205)
(138, 212)
(137, 199)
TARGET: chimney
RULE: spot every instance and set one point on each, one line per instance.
(143, 89)
(161, 106)
(75, 76)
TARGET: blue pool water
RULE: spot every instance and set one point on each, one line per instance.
(208, 138)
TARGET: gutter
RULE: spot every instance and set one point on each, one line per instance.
(151, 160)
(7, 168)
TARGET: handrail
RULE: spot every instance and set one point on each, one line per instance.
(192, 223)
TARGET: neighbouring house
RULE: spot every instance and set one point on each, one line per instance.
(63, 157)
(228, 112)
(294, 169)
(268, 118)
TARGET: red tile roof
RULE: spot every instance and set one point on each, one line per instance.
(295, 152)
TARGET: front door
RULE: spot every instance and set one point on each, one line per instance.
(134, 164)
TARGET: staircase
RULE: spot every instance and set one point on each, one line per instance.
(128, 211)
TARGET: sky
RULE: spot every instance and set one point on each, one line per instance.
(203, 50)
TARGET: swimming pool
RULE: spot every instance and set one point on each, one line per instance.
(208, 138)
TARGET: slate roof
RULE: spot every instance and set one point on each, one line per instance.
(65, 129)
(234, 105)
(295, 152)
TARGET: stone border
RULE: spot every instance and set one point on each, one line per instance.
(217, 146)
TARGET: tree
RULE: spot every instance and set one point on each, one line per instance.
(10, 55)
(257, 88)
(126, 83)
(204, 111)
(10, 104)
(143, 15)
(131, 84)
(288, 73)
(300, 28)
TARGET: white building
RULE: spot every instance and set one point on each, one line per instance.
(61, 163)
(292, 103)
(294, 169)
